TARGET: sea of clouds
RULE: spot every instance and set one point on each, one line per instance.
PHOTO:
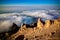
(27, 17)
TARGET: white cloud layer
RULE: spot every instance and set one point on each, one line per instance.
(7, 19)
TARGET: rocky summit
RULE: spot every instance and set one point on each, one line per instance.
(48, 30)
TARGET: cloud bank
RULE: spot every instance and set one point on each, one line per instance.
(27, 17)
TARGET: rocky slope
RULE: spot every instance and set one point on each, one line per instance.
(48, 30)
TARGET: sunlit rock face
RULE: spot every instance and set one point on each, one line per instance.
(49, 30)
(47, 23)
(39, 23)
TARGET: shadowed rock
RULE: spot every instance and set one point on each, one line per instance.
(30, 26)
(14, 29)
(21, 37)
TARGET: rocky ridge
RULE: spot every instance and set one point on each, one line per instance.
(48, 30)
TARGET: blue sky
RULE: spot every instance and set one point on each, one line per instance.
(49, 2)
